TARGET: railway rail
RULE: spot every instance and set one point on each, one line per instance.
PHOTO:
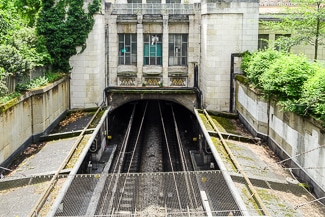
(151, 144)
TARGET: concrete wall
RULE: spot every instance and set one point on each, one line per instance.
(289, 136)
(30, 115)
(226, 27)
(88, 76)
(307, 50)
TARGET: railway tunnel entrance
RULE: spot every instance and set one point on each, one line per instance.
(156, 163)
(155, 135)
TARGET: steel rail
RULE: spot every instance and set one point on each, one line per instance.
(133, 152)
(238, 166)
(39, 204)
(120, 159)
(169, 157)
(189, 184)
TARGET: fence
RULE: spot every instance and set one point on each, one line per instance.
(136, 8)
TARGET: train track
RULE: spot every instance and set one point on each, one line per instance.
(151, 144)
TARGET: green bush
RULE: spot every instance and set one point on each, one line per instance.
(65, 26)
(6, 98)
(39, 82)
(257, 63)
(313, 95)
(285, 77)
(3, 86)
(297, 83)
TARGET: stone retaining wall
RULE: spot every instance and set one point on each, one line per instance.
(297, 140)
(23, 119)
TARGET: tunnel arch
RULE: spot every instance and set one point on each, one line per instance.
(117, 97)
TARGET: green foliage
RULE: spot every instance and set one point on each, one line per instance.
(12, 61)
(65, 26)
(313, 95)
(3, 86)
(28, 10)
(257, 63)
(39, 82)
(285, 77)
(6, 98)
(20, 48)
(297, 83)
(246, 58)
(53, 76)
(305, 23)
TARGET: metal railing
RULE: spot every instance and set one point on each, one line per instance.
(136, 8)
(275, 3)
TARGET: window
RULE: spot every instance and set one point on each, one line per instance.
(263, 41)
(177, 50)
(152, 53)
(127, 52)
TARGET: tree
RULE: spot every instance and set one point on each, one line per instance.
(64, 26)
(305, 21)
(28, 9)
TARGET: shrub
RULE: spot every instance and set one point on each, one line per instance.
(313, 95)
(257, 63)
(40, 81)
(285, 77)
(297, 83)
(3, 86)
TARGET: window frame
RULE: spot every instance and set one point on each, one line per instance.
(127, 49)
(177, 49)
(152, 50)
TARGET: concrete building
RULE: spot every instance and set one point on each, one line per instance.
(164, 44)
(170, 44)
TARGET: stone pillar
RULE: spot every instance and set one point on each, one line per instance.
(165, 50)
(112, 50)
(226, 27)
(194, 36)
(139, 49)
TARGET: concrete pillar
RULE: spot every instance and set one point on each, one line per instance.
(226, 27)
(165, 50)
(139, 49)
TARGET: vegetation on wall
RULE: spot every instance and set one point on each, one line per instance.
(65, 25)
(38, 33)
(21, 49)
(293, 80)
(304, 22)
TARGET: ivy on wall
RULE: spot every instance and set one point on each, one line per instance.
(65, 25)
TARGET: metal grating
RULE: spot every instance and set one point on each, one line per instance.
(148, 194)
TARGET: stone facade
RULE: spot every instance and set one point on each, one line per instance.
(214, 30)
(88, 75)
(226, 27)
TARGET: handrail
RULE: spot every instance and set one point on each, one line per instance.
(152, 8)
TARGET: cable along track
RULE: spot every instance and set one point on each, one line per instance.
(237, 165)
